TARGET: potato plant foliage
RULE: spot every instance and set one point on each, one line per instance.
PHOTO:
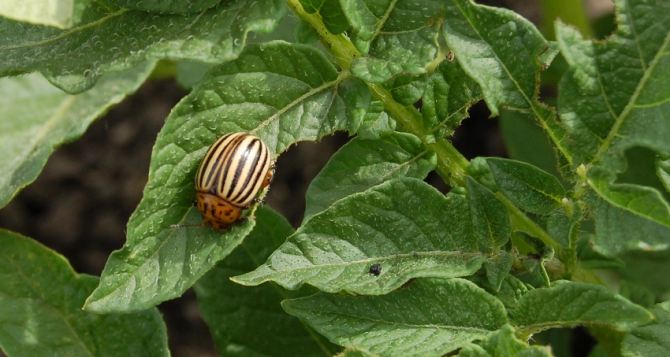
(568, 231)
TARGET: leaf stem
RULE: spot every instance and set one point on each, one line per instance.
(451, 164)
(339, 45)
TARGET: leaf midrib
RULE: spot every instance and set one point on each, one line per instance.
(433, 253)
(405, 324)
(67, 33)
(533, 106)
(614, 131)
(313, 91)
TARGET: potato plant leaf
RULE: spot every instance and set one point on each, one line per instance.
(652, 339)
(663, 173)
(363, 163)
(569, 304)
(38, 117)
(166, 6)
(266, 330)
(503, 343)
(498, 268)
(398, 37)
(525, 141)
(404, 227)
(108, 39)
(448, 94)
(56, 13)
(503, 53)
(429, 317)
(40, 309)
(282, 93)
(529, 187)
(613, 98)
(488, 216)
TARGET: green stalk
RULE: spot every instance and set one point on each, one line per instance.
(451, 165)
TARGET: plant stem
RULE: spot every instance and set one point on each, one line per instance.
(339, 45)
(451, 165)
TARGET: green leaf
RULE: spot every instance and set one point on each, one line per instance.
(407, 90)
(490, 221)
(404, 226)
(637, 293)
(166, 6)
(108, 40)
(429, 317)
(280, 92)
(37, 117)
(663, 173)
(652, 339)
(498, 268)
(191, 73)
(444, 96)
(363, 108)
(40, 309)
(266, 330)
(363, 163)
(612, 99)
(564, 228)
(57, 13)
(503, 343)
(398, 37)
(525, 141)
(530, 188)
(448, 95)
(511, 290)
(643, 268)
(569, 304)
(503, 53)
(607, 110)
(633, 220)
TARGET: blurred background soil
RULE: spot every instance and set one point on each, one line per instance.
(81, 202)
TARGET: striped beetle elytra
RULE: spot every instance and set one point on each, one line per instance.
(235, 169)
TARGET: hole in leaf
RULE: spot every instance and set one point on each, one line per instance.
(641, 169)
(575, 342)
(479, 135)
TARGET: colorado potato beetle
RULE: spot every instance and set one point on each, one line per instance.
(235, 169)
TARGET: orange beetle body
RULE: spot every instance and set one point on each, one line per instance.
(235, 169)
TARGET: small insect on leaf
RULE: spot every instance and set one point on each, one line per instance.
(235, 169)
(375, 269)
